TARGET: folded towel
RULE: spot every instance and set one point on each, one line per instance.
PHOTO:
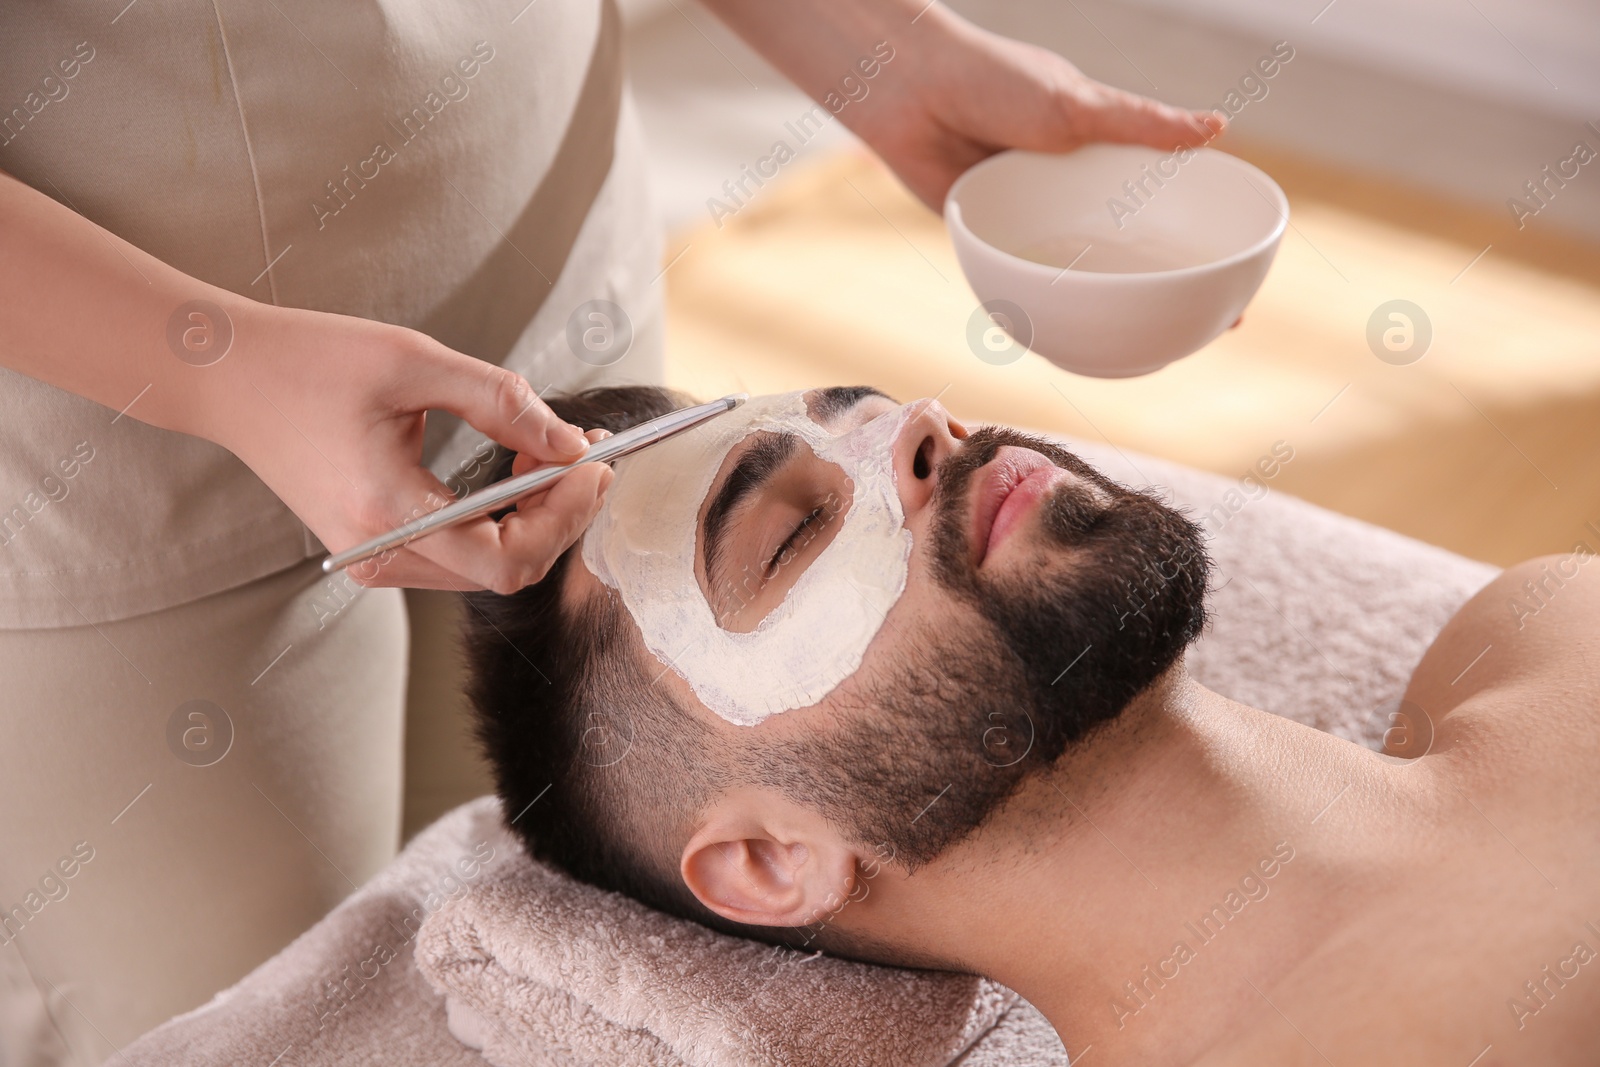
(540, 968)
(537, 967)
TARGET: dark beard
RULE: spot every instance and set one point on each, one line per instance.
(924, 755)
(1118, 593)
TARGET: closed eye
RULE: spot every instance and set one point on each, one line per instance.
(785, 550)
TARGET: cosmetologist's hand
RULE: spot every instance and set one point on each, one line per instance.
(933, 94)
(328, 410)
(969, 93)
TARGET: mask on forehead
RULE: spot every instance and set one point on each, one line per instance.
(643, 544)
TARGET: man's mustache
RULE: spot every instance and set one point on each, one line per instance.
(1070, 513)
(957, 470)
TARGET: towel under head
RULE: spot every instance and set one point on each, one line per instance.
(537, 967)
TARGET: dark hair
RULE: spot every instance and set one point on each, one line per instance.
(588, 757)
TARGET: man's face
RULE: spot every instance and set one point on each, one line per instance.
(1039, 598)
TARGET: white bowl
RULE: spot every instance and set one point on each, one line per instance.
(1120, 258)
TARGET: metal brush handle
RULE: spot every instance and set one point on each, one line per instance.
(496, 496)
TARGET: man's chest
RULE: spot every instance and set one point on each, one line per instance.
(1488, 953)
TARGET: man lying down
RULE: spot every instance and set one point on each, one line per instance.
(839, 673)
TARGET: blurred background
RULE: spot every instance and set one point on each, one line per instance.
(1400, 130)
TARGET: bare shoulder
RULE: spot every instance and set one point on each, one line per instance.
(1527, 645)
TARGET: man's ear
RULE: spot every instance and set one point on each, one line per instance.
(759, 859)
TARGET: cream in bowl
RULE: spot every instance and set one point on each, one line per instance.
(1120, 258)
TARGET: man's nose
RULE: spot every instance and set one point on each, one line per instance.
(929, 435)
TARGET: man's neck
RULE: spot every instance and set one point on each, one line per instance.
(1146, 891)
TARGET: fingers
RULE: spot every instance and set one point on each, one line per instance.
(405, 569)
(523, 545)
(497, 402)
(1131, 119)
(1160, 125)
(1207, 125)
(548, 524)
(503, 556)
(524, 462)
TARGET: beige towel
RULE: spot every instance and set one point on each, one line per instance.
(536, 967)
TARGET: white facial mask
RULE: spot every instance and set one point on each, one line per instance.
(643, 544)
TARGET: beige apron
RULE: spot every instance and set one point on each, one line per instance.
(467, 169)
(442, 166)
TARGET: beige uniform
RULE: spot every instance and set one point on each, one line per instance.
(186, 701)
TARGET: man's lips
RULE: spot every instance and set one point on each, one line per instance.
(1004, 491)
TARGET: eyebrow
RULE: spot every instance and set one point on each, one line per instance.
(760, 463)
(828, 404)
